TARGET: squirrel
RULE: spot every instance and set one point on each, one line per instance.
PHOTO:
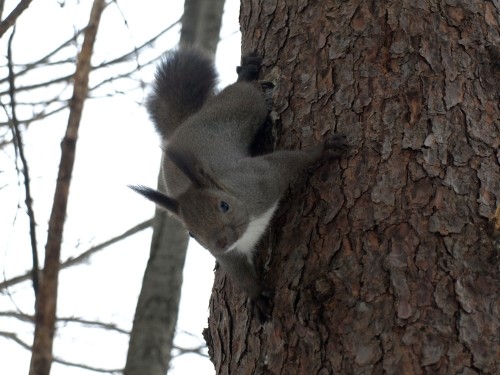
(224, 195)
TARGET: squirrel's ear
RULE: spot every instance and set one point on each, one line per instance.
(160, 199)
(193, 168)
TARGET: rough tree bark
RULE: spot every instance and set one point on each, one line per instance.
(155, 319)
(380, 262)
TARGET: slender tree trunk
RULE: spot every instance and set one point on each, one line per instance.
(151, 339)
(201, 23)
(46, 301)
(380, 262)
(152, 335)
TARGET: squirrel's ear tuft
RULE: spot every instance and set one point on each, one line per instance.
(160, 199)
(193, 169)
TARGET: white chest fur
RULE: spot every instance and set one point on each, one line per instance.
(256, 228)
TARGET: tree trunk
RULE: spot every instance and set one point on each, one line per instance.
(201, 24)
(155, 319)
(380, 262)
(46, 298)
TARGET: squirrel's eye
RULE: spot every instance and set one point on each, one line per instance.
(224, 207)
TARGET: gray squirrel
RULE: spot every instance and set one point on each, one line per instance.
(224, 195)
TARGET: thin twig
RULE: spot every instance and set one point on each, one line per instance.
(126, 75)
(120, 59)
(12, 336)
(45, 59)
(20, 147)
(197, 350)
(62, 79)
(44, 114)
(90, 323)
(85, 255)
(86, 367)
(128, 55)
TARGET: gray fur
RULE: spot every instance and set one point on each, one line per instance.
(214, 186)
(173, 98)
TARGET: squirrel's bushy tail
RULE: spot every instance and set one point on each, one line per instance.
(184, 79)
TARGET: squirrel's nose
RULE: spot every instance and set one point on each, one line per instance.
(221, 242)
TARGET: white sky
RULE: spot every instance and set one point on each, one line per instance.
(117, 146)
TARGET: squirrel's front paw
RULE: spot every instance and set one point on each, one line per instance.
(250, 67)
(335, 145)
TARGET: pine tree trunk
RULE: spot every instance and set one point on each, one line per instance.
(380, 262)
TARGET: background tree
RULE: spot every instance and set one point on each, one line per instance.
(380, 262)
(46, 296)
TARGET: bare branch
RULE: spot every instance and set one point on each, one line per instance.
(45, 59)
(85, 255)
(52, 81)
(196, 350)
(18, 315)
(86, 367)
(91, 323)
(12, 336)
(121, 59)
(128, 55)
(44, 113)
(12, 17)
(20, 149)
(127, 74)
(3, 143)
